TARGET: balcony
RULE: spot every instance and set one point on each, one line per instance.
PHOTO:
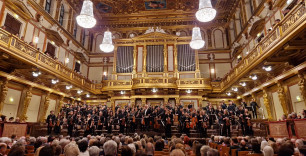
(13, 46)
(292, 24)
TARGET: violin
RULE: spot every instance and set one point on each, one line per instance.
(58, 122)
(123, 121)
(249, 122)
(187, 125)
(142, 121)
(134, 119)
(156, 124)
(50, 123)
(169, 121)
(227, 121)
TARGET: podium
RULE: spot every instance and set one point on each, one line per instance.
(18, 129)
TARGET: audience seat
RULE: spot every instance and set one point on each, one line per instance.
(30, 154)
(255, 154)
(243, 153)
(225, 151)
(233, 152)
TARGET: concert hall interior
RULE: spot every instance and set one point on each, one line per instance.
(152, 77)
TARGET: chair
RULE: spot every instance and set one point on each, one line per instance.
(255, 154)
(225, 151)
(29, 154)
(243, 153)
(219, 147)
(233, 151)
(29, 147)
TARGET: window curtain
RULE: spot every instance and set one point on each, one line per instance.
(185, 58)
(125, 59)
(155, 58)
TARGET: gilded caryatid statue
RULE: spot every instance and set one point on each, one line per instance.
(3, 93)
(26, 103)
(267, 104)
(282, 97)
(302, 85)
(45, 108)
(61, 104)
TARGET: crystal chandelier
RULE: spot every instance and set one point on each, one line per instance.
(107, 43)
(206, 12)
(197, 42)
(86, 18)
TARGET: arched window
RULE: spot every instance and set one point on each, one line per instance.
(61, 16)
(48, 6)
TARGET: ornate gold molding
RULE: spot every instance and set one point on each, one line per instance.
(60, 104)
(3, 94)
(282, 97)
(267, 103)
(302, 85)
(45, 107)
(26, 103)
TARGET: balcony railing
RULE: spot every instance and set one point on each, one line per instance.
(12, 45)
(293, 22)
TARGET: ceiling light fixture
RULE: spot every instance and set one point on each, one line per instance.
(154, 90)
(267, 68)
(87, 95)
(235, 89)
(122, 92)
(36, 39)
(54, 81)
(68, 87)
(188, 91)
(242, 84)
(206, 12)
(86, 18)
(228, 94)
(79, 91)
(107, 43)
(253, 77)
(197, 42)
(36, 73)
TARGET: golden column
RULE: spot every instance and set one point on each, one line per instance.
(175, 60)
(133, 102)
(177, 101)
(166, 100)
(134, 61)
(143, 101)
(144, 66)
(60, 104)
(165, 58)
(197, 71)
(45, 107)
(302, 86)
(282, 97)
(26, 103)
(267, 103)
(112, 101)
(3, 94)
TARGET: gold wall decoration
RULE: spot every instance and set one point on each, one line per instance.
(267, 103)
(302, 86)
(3, 94)
(282, 97)
(45, 107)
(26, 103)
(61, 104)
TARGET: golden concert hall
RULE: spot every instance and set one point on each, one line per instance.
(174, 57)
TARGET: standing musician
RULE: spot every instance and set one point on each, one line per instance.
(221, 122)
(109, 122)
(186, 121)
(50, 121)
(248, 124)
(202, 123)
(58, 124)
(100, 123)
(89, 125)
(70, 123)
(78, 124)
(240, 113)
(147, 115)
(254, 107)
(227, 125)
(122, 121)
(168, 120)
(211, 112)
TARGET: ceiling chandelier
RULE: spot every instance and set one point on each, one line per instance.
(196, 42)
(107, 43)
(86, 18)
(206, 12)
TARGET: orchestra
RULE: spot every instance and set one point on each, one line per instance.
(94, 119)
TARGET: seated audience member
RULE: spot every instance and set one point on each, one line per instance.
(94, 151)
(46, 151)
(3, 148)
(177, 152)
(234, 144)
(255, 147)
(159, 146)
(268, 151)
(243, 147)
(17, 149)
(126, 151)
(212, 152)
(83, 145)
(149, 149)
(196, 148)
(110, 148)
(298, 143)
(204, 150)
(263, 144)
(302, 150)
(286, 149)
(71, 149)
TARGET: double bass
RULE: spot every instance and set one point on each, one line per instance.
(156, 124)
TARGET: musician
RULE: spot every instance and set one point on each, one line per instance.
(58, 124)
(70, 123)
(147, 114)
(50, 121)
(186, 121)
(122, 120)
(100, 122)
(223, 105)
(248, 125)
(168, 118)
(254, 107)
(240, 113)
(211, 112)
(78, 124)
(227, 125)
(221, 123)
(89, 125)
(109, 122)
(231, 106)
(202, 123)
(132, 117)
